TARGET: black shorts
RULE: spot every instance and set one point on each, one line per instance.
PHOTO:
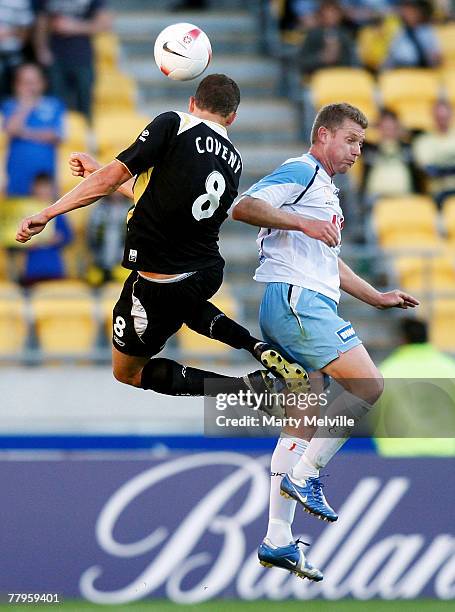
(148, 313)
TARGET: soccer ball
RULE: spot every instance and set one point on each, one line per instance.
(182, 51)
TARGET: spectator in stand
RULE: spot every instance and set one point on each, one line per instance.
(423, 412)
(359, 13)
(45, 260)
(63, 41)
(286, 13)
(106, 231)
(16, 19)
(374, 40)
(33, 123)
(435, 153)
(304, 12)
(416, 44)
(388, 166)
(328, 44)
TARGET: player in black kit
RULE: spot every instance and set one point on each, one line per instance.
(185, 178)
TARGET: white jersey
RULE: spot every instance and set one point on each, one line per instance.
(301, 186)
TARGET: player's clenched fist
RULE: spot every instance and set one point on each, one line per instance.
(30, 226)
(82, 164)
(322, 230)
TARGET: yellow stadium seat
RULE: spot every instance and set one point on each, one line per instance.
(117, 131)
(76, 255)
(411, 241)
(3, 264)
(13, 325)
(448, 214)
(406, 216)
(65, 325)
(353, 85)
(110, 293)
(3, 141)
(195, 345)
(75, 131)
(9, 289)
(426, 273)
(61, 288)
(106, 155)
(411, 93)
(446, 36)
(442, 329)
(106, 46)
(114, 91)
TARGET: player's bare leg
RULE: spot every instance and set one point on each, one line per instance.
(126, 368)
(363, 383)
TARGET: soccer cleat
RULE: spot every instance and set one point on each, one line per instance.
(295, 377)
(309, 494)
(290, 558)
(264, 384)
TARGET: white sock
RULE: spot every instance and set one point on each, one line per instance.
(305, 468)
(326, 442)
(281, 510)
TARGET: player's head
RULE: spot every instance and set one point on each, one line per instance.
(337, 136)
(218, 95)
(29, 81)
(413, 331)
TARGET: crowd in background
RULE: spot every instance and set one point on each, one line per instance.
(379, 35)
(47, 67)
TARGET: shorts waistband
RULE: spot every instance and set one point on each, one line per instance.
(174, 279)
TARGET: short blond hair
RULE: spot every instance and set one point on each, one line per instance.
(332, 116)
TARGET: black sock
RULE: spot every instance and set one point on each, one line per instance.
(211, 322)
(172, 378)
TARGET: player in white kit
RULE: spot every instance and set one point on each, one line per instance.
(298, 209)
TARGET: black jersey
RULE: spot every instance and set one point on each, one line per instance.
(187, 176)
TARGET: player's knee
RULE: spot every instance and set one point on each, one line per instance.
(375, 388)
(127, 377)
(158, 375)
(369, 389)
(204, 319)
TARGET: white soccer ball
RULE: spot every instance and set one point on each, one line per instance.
(182, 51)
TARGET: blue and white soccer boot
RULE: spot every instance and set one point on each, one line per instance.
(290, 558)
(309, 494)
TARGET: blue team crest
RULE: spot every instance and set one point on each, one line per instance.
(346, 333)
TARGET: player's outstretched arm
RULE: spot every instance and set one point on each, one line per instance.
(260, 213)
(359, 288)
(101, 183)
(83, 165)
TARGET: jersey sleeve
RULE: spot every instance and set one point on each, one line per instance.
(284, 184)
(151, 144)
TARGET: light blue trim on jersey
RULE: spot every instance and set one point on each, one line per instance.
(292, 173)
(304, 325)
